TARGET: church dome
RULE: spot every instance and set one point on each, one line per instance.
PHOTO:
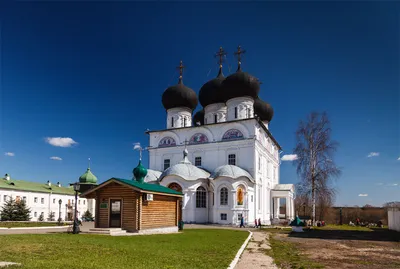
(151, 177)
(140, 172)
(240, 84)
(199, 117)
(185, 169)
(179, 95)
(211, 91)
(231, 171)
(88, 177)
(263, 110)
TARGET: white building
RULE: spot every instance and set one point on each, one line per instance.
(43, 198)
(227, 162)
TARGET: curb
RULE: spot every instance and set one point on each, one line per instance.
(240, 251)
(34, 228)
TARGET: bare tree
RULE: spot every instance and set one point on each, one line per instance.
(315, 150)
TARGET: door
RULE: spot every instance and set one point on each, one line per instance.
(115, 213)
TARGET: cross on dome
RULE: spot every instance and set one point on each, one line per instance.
(180, 68)
(238, 54)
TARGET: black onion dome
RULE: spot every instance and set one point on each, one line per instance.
(211, 91)
(179, 95)
(263, 110)
(199, 117)
(240, 84)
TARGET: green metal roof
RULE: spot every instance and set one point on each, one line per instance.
(88, 177)
(22, 185)
(147, 187)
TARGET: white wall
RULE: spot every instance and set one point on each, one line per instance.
(49, 204)
(179, 114)
(244, 107)
(394, 219)
(218, 109)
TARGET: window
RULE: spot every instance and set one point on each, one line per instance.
(35, 214)
(259, 163)
(42, 200)
(201, 197)
(79, 202)
(54, 201)
(240, 216)
(84, 202)
(24, 199)
(259, 198)
(5, 198)
(35, 199)
(184, 122)
(236, 110)
(197, 161)
(224, 216)
(167, 163)
(172, 122)
(224, 196)
(251, 198)
(232, 159)
(248, 112)
(215, 118)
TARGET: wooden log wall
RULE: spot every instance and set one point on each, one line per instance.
(128, 209)
(161, 212)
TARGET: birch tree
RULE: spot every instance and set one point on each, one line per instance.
(315, 150)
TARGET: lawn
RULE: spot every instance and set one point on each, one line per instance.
(190, 249)
(10, 224)
(335, 246)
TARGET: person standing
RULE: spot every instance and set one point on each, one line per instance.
(242, 222)
(255, 223)
(259, 223)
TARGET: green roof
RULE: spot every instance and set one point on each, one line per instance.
(22, 185)
(88, 177)
(297, 222)
(147, 187)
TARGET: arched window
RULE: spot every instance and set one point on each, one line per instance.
(236, 112)
(201, 197)
(184, 122)
(240, 195)
(172, 122)
(175, 186)
(224, 196)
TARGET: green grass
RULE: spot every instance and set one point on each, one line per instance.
(189, 249)
(345, 227)
(287, 255)
(28, 224)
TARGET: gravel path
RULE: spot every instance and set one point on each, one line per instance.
(254, 255)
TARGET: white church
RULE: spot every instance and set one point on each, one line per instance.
(223, 159)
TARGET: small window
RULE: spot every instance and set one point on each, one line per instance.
(259, 163)
(232, 159)
(84, 202)
(4, 198)
(197, 161)
(251, 198)
(42, 200)
(236, 112)
(24, 198)
(224, 216)
(54, 201)
(215, 118)
(224, 196)
(184, 122)
(79, 202)
(240, 216)
(35, 214)
(172, 122)
(167, 163)
(35, 199)
(201, 197)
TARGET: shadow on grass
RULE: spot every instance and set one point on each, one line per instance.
(376, 234)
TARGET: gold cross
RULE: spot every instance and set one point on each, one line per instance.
(238, 54)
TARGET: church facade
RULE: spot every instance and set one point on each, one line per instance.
(223, 159)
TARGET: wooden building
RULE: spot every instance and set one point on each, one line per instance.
(136, 206)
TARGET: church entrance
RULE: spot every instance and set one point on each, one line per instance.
(115, 213)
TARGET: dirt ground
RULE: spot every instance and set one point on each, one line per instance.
(349, 249)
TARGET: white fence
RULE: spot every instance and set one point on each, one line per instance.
(394, 219)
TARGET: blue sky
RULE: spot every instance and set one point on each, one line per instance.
(95, 72)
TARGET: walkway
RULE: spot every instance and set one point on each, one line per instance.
(254, 255)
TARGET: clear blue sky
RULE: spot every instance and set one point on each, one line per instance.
(95, 72)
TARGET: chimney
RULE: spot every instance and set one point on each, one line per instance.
(59, 184)
(49, 183)
(7, 177)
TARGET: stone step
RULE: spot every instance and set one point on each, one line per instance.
(105, 229)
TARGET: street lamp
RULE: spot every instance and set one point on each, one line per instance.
(76, 225)
(59, 211)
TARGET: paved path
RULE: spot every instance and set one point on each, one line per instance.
(6, 264)
(254, 255)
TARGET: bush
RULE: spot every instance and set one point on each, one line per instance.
(15, 211)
